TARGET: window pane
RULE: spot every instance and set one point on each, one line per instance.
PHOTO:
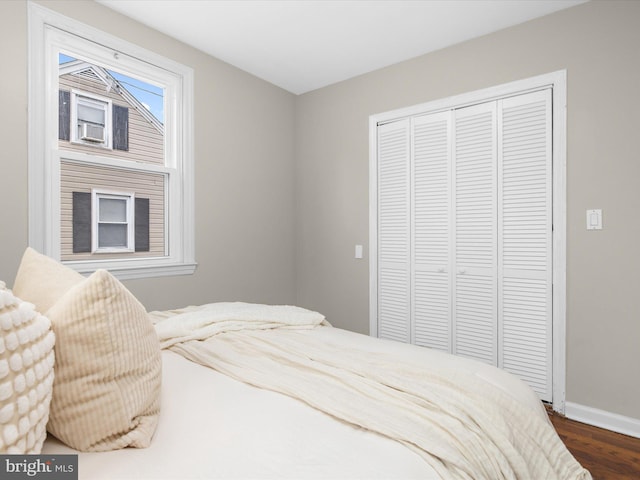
(112, 235)
(87, 113)
(128, 112)
(112, 210)
(148, 185)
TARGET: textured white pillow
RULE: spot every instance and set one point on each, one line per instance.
(26, 375)
(106, 393)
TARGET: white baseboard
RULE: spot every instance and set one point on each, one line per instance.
(603, 419)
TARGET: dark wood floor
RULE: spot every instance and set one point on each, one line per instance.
(607, 455)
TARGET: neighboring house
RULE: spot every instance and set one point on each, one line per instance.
(110, 207)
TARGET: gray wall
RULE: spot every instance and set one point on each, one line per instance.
(244, 151)
(598, 44)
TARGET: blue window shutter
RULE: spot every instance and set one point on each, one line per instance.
(142, 224)
(81, 222)
(64, 115)
(120, 127)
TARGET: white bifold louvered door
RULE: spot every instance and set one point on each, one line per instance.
(394, 230)
(464, 233)
(525, 269)
(431, 259)
(475, 233)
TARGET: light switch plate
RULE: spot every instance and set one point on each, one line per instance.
(594, 219)
(358, 251)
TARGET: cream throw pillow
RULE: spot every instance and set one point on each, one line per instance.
(42, 281)
(26, 375)
(106, 393)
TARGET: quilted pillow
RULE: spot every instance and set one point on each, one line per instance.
(106, 393)
(42, 281)
(26, 375)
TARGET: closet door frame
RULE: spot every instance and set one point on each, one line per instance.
(558, 82)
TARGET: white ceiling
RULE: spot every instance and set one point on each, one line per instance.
(308, 44)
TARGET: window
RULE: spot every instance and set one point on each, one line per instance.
(115, 190)
(92, 120)
(113, 222)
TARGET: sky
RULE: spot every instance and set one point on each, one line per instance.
(151, 96)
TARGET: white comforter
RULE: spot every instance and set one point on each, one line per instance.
(462, 426)
(214, 427)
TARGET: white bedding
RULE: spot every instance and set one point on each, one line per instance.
(212, 426)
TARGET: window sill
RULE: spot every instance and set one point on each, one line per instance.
(132, 269)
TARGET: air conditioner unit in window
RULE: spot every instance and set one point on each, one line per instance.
(92, 133)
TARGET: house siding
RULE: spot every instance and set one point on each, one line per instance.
(77, 177)
(146, 142)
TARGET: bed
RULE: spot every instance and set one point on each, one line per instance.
(273, 392)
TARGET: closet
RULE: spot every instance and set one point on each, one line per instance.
(463, 215)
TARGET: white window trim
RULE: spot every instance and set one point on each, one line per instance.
(48, 32)
(77, 97)
(558, 81)
(129, 198)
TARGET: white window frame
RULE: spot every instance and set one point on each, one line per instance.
(95, 101)
(129, 198)
(51, 33)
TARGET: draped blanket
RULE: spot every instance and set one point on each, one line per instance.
(463, 427)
